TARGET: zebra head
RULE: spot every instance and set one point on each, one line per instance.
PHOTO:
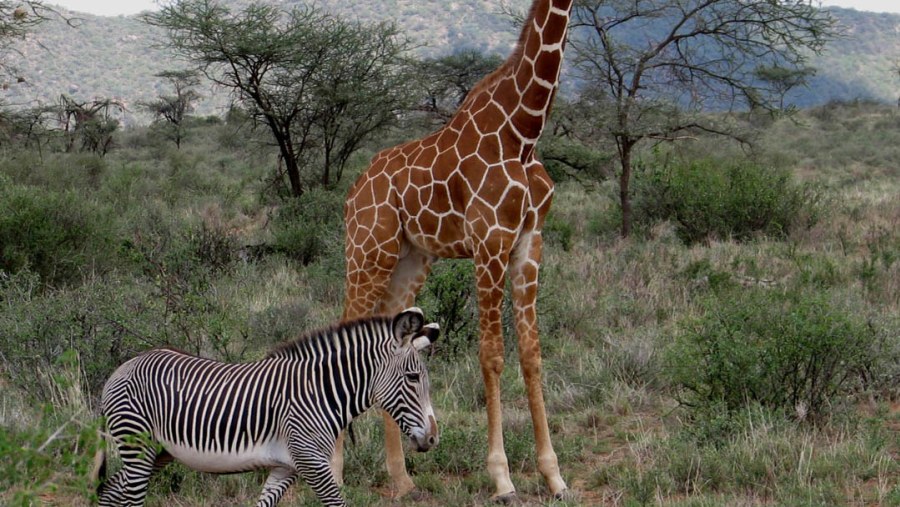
(402, 386)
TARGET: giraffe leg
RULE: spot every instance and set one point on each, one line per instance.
(489, 275)
(524, 277)
(337, 460)
(368, 277)
(407, 279)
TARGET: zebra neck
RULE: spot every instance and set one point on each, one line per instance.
(339, 370)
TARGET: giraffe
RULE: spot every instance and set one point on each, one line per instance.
(472, 189)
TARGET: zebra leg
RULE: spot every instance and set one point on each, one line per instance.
(280, 479)
(312, 462)
(128, 487)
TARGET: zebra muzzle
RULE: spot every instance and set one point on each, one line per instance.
(431, 438)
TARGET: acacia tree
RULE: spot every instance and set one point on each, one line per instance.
(446, 80)
(320, 84)
(90, 121)
(654, 65)
(170, 111)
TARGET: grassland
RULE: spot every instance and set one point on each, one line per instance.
(168, 250)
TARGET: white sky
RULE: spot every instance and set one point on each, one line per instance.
(105, 7)
(116, 7)
(866, 5)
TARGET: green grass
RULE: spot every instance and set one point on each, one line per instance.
(179, 264)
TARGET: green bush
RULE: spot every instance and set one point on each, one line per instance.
(711, 199)
(54, 234)
(794, 351)
(306, 228)
(449, 296)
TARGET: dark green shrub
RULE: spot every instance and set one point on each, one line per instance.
(449, 296)
(54, 234)
(558, 232)
(793, 351)
(104, 322)
(711, 199)
(306, 227)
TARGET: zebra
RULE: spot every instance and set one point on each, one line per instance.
(281, 413)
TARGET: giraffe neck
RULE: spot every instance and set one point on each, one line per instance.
(535, 65)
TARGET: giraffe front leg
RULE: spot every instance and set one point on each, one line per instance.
(337, 459)
(524, 281)
(489, 276)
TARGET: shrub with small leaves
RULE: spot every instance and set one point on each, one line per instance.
(54, 234)
(307, 227)
(795, 351)
(711, 199)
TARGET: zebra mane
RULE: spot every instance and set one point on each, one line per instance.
(324, 335)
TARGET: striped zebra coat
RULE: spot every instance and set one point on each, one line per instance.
(282, 413)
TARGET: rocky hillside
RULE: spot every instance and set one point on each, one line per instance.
(118, 56)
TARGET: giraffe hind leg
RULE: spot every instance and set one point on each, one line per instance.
(406, 280)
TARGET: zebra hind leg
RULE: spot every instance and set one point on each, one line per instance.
(279, 480)
(129, 485)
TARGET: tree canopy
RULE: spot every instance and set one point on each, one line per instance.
(655, 64)
(320, 84)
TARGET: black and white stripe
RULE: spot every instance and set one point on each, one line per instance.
(282, 413)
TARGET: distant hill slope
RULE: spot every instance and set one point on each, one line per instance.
(115, 57)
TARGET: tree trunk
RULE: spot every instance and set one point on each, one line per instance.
(625, 148)
(293, 172)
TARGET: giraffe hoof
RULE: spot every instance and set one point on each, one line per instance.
(510, 498)
(401, 489)
(565, 495)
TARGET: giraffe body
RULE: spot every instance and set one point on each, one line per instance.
(473, 189)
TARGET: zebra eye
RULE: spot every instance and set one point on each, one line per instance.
(412, 377)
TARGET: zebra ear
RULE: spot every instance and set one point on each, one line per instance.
(407, 322)
(429, 335)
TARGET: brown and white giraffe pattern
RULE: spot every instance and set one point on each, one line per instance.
(473, 189)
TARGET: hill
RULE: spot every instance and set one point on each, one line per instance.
(117, 56)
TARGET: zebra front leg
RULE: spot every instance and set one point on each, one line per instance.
(280, 479)
(128, 487)
(315, 469)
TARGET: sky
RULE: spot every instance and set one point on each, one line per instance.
(116, 7)
(105, 7)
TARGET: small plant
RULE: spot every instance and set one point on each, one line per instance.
(449, 295)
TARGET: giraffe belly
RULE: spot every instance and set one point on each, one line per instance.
(265, 455)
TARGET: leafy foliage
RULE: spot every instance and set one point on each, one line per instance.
(793, 351)
(715, 199)
(54, 234)
(319, 84)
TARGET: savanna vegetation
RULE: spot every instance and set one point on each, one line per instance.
(740, 347)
